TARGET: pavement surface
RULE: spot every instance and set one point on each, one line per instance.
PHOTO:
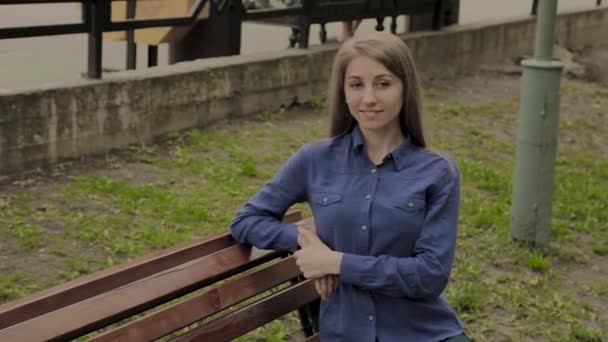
(42, 61)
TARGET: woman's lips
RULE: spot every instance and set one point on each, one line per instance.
(370, 113)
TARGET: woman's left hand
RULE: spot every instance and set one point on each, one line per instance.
(315, 259)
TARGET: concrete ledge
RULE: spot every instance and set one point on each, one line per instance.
(43, 126)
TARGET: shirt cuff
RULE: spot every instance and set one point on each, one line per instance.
(289, 237)
(349, 268)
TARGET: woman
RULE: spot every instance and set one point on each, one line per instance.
(385, 207)
(348, 30)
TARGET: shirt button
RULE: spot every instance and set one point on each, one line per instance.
(324, 199)
(371, 317)
(364, 227)
(410, 204)
(373, 170)
(368, 196)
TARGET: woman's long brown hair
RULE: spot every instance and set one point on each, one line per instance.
(394, 54)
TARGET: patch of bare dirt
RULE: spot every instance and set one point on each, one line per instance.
(503, 331)
(12, 258)
(134, 173)
(582, 103)
(585, 281)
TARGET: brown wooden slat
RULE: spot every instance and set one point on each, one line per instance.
(96, 283)
(105, 280)
(240, 322)
(314, 338)
(114, 305)
(292, 216)
(168, 320)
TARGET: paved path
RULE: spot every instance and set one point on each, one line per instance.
(46, 60)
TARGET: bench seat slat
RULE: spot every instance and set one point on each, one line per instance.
(168, 320)
(242, 321)
(109, 307)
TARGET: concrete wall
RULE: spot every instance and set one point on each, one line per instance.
(43, 126)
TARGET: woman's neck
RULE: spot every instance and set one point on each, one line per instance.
(380, 143)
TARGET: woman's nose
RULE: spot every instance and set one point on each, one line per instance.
(369, 96)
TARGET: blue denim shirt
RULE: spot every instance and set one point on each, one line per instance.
(396, 224)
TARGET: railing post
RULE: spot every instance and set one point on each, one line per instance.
(152, 55)
(323, 34)
(534, 7)
(438, 17)
(380, 24)
(84, 6)
(131, 46)
(219, 35)
(96, 13)
(304, 23)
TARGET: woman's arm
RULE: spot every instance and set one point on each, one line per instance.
(258, 223)
(426, 273)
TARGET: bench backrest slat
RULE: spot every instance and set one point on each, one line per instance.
(93, 284)
(314, 338)
(162, 322)
(112, 306)
(242, 321)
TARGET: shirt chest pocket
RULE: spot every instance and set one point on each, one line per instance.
(411, 205)
(326, 199)
(328, 210)
(410, 212)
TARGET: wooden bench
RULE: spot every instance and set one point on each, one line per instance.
(193, 286)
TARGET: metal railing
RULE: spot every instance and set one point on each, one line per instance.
(97, 19)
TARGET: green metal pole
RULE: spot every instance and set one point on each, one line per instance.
(537, 135)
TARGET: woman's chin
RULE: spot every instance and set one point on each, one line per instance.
(372, 125)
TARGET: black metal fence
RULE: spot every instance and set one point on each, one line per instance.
(97, 19)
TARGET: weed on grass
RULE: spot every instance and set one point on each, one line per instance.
(538, 262)
(316, 102)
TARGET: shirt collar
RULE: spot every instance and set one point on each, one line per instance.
(399, 155)
(357, 137)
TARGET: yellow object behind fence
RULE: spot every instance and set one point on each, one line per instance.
(155, 9)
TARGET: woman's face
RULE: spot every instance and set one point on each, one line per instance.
(374, 95)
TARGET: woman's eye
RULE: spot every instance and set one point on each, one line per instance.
(355, 85)
(383, 84)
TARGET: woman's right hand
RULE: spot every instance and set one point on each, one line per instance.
(327, 284)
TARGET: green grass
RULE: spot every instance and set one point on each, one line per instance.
(579, 333)
(192, 183)
(538, 262)
(469, 298)
(316, 102)
(14, 286)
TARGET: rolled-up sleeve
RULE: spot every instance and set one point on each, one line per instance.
(258, 223)
(425, 274)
